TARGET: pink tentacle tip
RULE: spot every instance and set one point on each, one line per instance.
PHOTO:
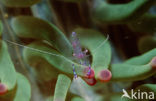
(89, 73)
(3, 89)
(153, 63)
(104, 75)
(91, 81)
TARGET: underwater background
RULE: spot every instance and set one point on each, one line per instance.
(77, 50)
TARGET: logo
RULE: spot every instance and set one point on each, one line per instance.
(137, 94)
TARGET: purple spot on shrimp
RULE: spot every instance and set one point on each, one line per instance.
(80, 56)
(73, 34)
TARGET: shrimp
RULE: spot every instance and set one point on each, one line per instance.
(79, 56)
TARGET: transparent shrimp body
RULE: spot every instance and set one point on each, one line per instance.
(79, 55)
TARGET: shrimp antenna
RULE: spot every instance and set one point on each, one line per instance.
(41, 51)
(101, 44)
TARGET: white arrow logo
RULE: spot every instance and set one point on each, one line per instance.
(125, 94)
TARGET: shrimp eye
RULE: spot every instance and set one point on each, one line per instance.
(104, 75)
